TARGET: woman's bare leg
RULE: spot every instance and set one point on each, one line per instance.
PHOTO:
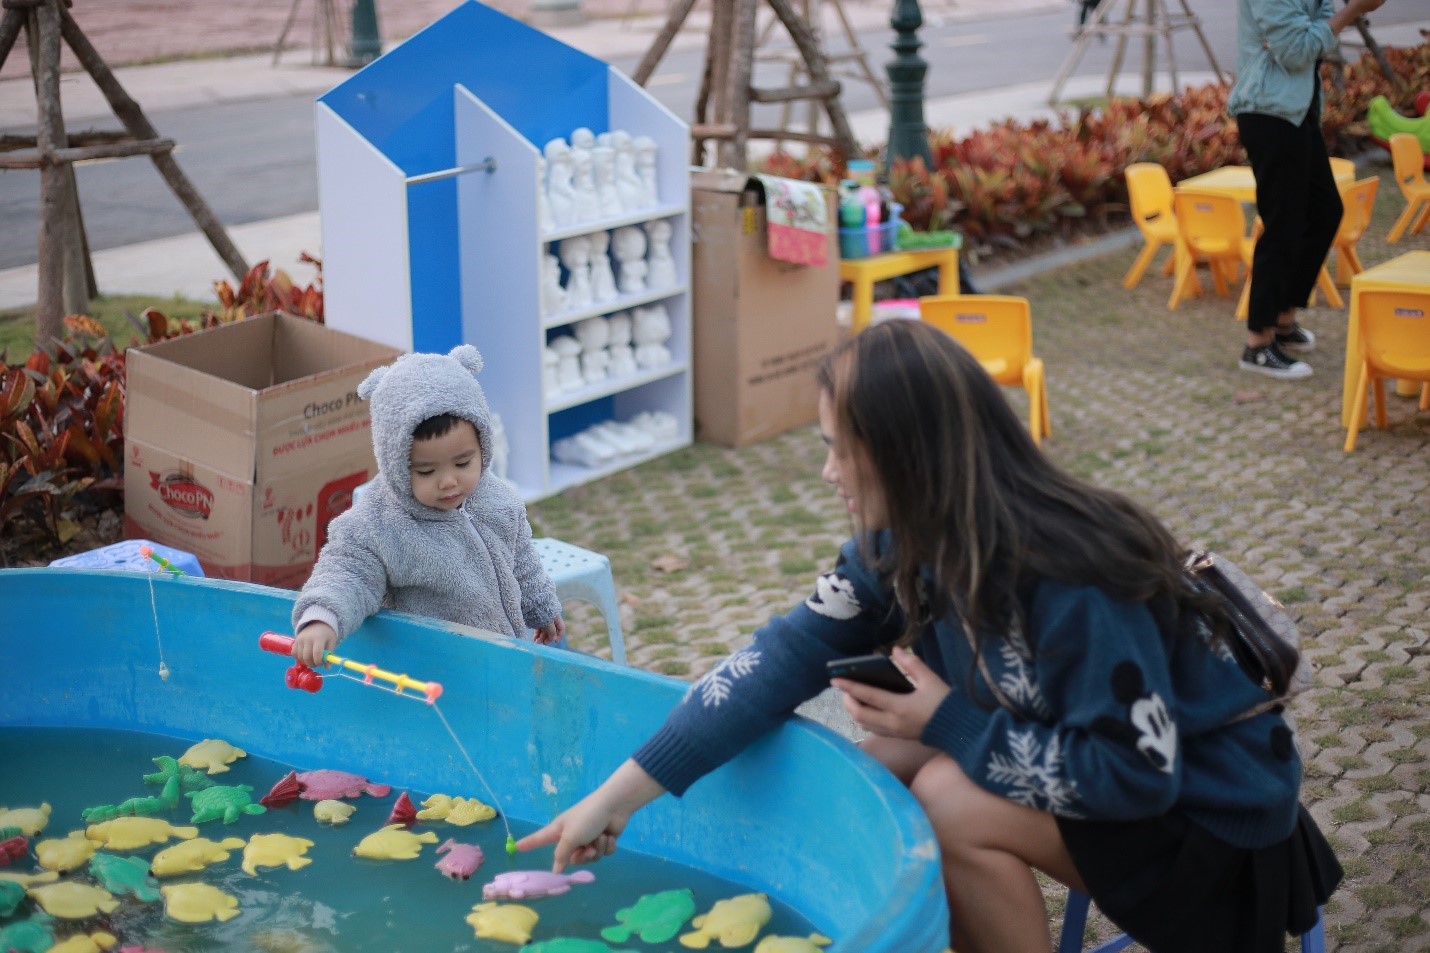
(902, 758)
(990, 846)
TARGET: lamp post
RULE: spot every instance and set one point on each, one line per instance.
(908, 135)
(367, 40)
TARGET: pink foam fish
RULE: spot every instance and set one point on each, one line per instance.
(462, 860)
(329, 785)
(530, 884)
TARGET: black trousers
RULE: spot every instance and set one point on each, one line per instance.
(1300, 208)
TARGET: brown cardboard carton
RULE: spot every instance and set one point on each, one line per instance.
(244, 441)
(761, 326)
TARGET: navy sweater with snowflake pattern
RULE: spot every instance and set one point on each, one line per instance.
(1114, 719)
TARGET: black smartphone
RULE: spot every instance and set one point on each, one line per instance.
(878, 671)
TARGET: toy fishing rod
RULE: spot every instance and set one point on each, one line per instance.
(302, 677)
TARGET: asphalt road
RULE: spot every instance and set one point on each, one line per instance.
(255, 160)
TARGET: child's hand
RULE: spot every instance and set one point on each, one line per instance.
(550, 634)
(315, 640)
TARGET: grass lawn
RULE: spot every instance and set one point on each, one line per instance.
(17, 325)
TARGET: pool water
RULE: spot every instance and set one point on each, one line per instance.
(338, 902)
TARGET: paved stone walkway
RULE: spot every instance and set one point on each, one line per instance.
(1149, 402)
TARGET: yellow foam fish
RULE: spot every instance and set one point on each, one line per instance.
(276, 850)
(64, 854)
(197, 903)
(333, 812)
(73, 901)
(455, 810)
(25, 880)
(212, 755)
(792, 944)
(131, 833)
(734, 922)
(394, 842)
(94, 943)
(507, 922)
(189, 856)
(30, 820)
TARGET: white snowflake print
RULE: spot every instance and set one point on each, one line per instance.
(1016, 680)
(1158, 732)
(714, 686)
(833, 597)
(1034, 774)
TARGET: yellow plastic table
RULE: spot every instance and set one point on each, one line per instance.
(1238, 182)
(863, 272)
(1408, 272)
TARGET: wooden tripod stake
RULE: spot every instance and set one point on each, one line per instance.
(1159, 22)
(722, 109)
(65, 280)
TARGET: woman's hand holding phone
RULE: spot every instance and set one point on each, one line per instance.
(894, 714)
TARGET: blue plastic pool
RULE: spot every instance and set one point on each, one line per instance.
(802, 815)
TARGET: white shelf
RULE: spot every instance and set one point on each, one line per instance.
(568, 474)
(612, 305)
(611, 386)
(605, 224)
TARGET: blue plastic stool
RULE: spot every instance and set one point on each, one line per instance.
(1075, 918)
(125, 555)
(582, 574)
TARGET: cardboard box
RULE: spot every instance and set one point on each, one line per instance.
(761, 326)
(244, 441)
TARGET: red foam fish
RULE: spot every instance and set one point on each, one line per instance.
(13, 848)
(403, 811)
(285, 791)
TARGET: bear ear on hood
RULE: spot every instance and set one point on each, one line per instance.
(369, 385)
(468, 356)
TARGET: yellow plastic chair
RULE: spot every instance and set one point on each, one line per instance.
(1408, 160)
(1359, 201)
(1394, 342)
(1342, 167)
(1324, 284)
(1149, 192)
(1211, 228)
(998, 331)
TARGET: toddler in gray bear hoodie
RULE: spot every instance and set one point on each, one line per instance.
(435, 534)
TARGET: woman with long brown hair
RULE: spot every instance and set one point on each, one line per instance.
(1074, 707)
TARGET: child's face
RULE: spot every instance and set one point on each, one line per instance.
(446, 469)
(847, 471)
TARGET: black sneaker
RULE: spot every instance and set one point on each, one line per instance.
(1270, 360)
(1295, 338)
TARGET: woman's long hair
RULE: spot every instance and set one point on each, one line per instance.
(968, 495)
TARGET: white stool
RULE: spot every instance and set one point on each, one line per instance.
(582, 574)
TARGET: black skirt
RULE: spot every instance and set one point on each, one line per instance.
(1175, 888)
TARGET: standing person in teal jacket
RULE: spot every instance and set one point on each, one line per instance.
(1076, 708)
(1277, 104)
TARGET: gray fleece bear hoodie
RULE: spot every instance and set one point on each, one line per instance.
(474, 565)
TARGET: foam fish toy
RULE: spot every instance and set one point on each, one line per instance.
(30, 820)
(507, 922)
(287, 789)
(325, 784)
(13, 846)
(655, 917)
(403, 812)
(27, 936)
(26, 880)
(221, 801)
(131, 833)
(197, 903)
(566, 944)
(333, 812)
(11, 894)
(455, 810)
(149, 804)
(192, 855)
(275, 850)
(212, 755)
(63, 854)
(393, 842)
(94, 943)
(73, 901)
(734, 922)
(123, 875)
(462, 860)
(524, 884)
(190, 779)
(792, 944)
